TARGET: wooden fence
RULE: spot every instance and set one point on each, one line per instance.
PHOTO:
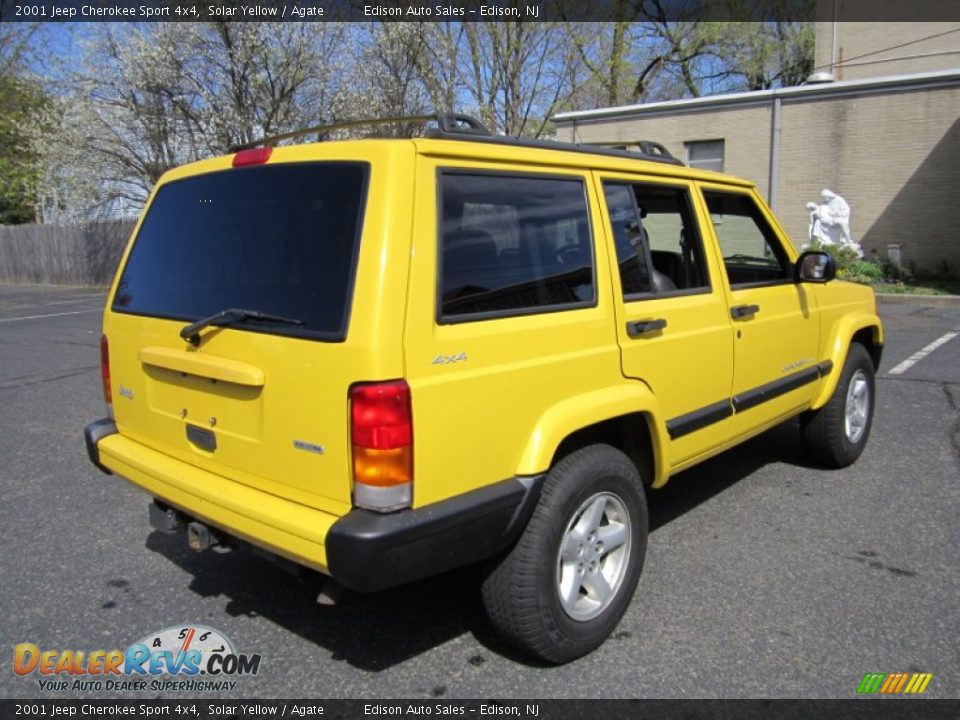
(63, 255)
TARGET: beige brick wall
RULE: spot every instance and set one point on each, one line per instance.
(745, 132)
(857, 39)
(894, 156)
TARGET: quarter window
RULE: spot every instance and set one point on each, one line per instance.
(513, 244)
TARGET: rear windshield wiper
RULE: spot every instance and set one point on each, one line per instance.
(191, 333)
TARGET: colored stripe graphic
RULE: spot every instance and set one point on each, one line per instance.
(894, 683)
(918, 683)
(871, 683)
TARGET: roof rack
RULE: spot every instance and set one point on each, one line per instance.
(456, 126)
(447, 123)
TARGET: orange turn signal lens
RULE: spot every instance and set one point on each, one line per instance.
(382, 468)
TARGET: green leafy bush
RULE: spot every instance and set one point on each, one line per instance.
(866, 269)
(894, 272)
(844, 255)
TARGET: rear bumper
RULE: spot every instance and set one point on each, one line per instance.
(93, 434)
(368, 551)
(362, 550)
(286, 528)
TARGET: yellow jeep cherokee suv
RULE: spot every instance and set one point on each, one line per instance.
(386, 358)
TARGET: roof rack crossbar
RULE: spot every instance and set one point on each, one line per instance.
(645, 147)
(616, 150)
(448, 124)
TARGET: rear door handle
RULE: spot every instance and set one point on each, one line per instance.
(641, 327)
(743, 311)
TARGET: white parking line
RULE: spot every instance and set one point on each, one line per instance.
(921, 354)
(37, 317)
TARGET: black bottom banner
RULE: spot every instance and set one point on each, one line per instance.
(858, 709)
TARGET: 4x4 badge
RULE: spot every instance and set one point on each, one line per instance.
(449, 359)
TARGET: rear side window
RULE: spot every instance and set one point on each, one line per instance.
(279, 239)
(657, 241)
(513, 245)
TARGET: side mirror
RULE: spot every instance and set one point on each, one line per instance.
(815, 267)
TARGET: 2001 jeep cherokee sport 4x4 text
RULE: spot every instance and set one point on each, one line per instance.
(384, 359)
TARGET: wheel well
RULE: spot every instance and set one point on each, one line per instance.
(866, 338)
(628, 433)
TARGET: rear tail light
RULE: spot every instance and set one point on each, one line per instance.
(105, 372)
(381, 434)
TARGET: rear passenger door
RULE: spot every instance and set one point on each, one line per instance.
(507, 315)
(672, 321)
(775, 320)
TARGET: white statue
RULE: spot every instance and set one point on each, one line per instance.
(830, 222)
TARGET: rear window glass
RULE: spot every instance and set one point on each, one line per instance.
(513, 245)
(278, 239)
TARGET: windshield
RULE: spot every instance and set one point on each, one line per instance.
(280, 239)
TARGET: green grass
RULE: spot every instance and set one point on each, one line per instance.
(940, 286)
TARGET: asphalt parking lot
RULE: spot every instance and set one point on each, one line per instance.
(764, 577)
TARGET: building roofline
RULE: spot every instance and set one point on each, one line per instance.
(805, 92)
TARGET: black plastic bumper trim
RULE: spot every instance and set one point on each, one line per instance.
(368, 551)
(94, 433)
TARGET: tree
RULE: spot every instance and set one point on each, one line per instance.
(661, 50)
(242, 81)
(387, 81)
(21, 103)
(760, 56)
(155, 96)
(606, 55)
(15, 42)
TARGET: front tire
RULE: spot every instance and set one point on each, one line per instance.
(837, 433)
(560, 591)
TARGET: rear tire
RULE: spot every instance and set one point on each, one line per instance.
(563, 587)
(837, 433)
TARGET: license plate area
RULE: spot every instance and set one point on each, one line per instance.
(202, 437)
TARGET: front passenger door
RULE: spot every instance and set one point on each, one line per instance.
(775, 320)
(672, 323)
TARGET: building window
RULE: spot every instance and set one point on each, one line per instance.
(705, 154)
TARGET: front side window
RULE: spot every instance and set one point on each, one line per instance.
(512, 244)
(656, 238)
(751, 250)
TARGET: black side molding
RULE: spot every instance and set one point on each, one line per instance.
(94, 433)
(369, 551)
(752, 398)
(699, 419)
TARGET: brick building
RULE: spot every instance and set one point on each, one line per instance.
(881, 127)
